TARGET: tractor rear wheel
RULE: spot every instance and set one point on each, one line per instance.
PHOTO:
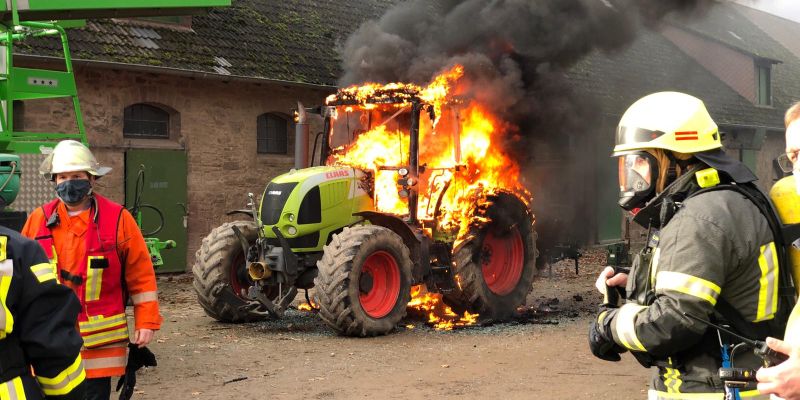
(220, 273)
(364, 281)
(495, 265)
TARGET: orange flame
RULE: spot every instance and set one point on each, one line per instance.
(307, 306)
(439, 315)
(460, 149)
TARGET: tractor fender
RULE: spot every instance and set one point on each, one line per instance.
(249, 213)
(416, 241)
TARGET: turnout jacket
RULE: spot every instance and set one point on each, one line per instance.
(37, 326)
(716, 250)
(101, 255)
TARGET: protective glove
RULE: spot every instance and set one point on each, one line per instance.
(601, 343)
(137, 358)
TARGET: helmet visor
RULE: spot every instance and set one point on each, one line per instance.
(635, 173)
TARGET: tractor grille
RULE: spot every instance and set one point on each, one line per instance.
(309, 240)
(274, 199)
(311, 208)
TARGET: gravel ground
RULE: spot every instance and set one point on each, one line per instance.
(542, 353)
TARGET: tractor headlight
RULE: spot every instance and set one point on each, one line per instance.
(290, 217)
(291, 230)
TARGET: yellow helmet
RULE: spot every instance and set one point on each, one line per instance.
(667, 120)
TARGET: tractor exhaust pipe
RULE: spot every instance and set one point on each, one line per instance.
(301, 135)
(258, 270)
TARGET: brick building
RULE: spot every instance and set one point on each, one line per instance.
(205, 102)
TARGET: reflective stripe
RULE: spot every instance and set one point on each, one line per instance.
(12, 390)
(44, 272)
(144, 297)
(3, 245)
(94, 280)
(65, 381)
(108, 360)
(625, 327)
(672, 380)
(768, 283)
(6, 319)
(654, 266)
(101, 323)
(658, 395)
(688, 284)
(105, 337)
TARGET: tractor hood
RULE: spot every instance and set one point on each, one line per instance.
(303, 202)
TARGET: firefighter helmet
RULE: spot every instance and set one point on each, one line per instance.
(71, 156)
(671, 121)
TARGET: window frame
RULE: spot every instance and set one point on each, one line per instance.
(263, 134)
(128, 134)
(763, 70)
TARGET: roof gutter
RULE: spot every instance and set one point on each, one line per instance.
(178, 72)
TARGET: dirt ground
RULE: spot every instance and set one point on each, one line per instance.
(541, 355)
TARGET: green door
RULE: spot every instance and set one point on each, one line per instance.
(164, 188)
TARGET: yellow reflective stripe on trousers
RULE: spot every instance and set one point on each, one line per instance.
(658, 395)
(144, 297)
(625, 327)
(12, 390)
(767, 283)
(672, 380)
(65, 381)
(105, 337)
(94, 280)
(101, 323)
(688, 284)
(6, 319)
(44, 272)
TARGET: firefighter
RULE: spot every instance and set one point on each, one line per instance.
(783, 380)
(710, 252)
(37, 326)
(101, 255)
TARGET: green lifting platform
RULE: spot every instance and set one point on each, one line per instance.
(23, 19)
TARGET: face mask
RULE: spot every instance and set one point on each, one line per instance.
(73, 191)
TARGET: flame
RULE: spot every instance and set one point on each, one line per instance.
(461, 149)
(439, 315)
(311, 306)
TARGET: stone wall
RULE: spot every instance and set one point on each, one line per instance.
(215, 123)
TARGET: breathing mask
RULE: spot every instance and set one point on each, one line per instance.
(74, 191)
(638, 172)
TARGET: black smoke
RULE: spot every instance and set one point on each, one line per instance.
(514, 51)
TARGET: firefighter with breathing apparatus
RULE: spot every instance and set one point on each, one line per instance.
(711, 251)
(783, 380)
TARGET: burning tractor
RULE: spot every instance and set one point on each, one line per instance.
(413, 193)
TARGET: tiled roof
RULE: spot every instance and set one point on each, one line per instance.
(280, 40)
(653, 63)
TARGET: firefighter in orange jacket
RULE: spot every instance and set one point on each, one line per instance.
(101, 254)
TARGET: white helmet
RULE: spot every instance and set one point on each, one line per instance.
(69, 156)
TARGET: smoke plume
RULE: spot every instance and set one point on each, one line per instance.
(514, 51)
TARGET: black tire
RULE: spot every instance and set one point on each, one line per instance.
(510, 223)
(341, 284)
(220, 269)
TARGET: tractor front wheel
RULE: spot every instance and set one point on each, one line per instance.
(220, 273)
(364, 281)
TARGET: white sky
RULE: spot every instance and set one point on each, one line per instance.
(789, 9)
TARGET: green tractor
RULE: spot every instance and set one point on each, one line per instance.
(322, 227)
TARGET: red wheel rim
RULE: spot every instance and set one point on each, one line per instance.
(503, 259)
(239, 279)
(384, 275)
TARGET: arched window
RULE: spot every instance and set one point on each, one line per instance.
(272, 133)
(145, 121)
